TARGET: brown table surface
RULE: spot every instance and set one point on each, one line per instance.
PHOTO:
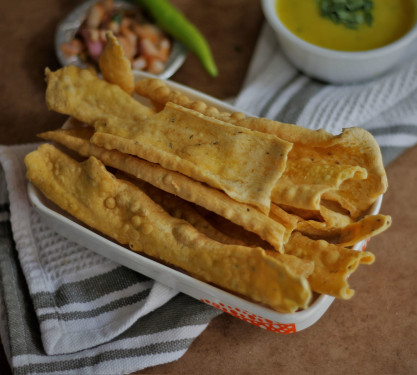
(374, 333)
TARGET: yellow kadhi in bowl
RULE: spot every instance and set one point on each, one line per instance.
(338, 54)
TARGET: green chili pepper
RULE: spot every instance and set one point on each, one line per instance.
(171, 20)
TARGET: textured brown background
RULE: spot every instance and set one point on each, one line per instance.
(374, 333)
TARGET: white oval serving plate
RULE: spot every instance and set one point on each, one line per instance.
(253, 313)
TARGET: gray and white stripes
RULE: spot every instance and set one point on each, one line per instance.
(386, 106)
(67, 310)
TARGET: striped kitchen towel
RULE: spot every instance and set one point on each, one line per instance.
(385, 106)
(67, 310)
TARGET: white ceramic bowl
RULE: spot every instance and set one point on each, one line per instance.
(337, 66)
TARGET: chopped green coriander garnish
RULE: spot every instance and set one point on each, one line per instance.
(117, 18)
(350, 13)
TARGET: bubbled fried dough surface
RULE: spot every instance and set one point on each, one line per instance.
(243, 163)
(115, 66)
(332, 264)
(355, 146)
(82, 94)
(124, 212)
(274, 229)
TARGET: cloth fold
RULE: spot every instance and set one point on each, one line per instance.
(69, 310)
(385, 106)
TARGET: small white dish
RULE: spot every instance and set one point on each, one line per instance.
(241, 308)
(69, 26)
(337, 66)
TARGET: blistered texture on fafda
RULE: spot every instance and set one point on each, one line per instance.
(275, 228)
(124, 212)
(243, 163)
(82, 94)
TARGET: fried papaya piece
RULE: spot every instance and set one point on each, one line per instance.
(82, 94)
(115, 66)
(332, 264)
(125, 213)
(275, 229)
(244, 164)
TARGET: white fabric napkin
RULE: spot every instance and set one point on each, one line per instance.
(385, 106)
(69, 310)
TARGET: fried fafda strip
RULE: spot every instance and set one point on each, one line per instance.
(302, 267)
(122, 211)
(332, 264)
(354, 146)
(180, 139)
(275, 229)
(333, 225)
(115, 66)
(330, 216)
(369, 226)
(280, 222)
(180, 209)
(303, 182)
(334, 215)
(82, 94)
(159, 93)
(244, 164)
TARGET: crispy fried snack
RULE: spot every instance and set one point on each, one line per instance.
(329, 217)
(274, 229)
(82, 94)
(354, 147)
(303, 182)
(263, 209)
(332, 264)
(302, 267)
(181, 209)
(244, 164)
(368, 227)
(115, 66)
(124, 212)
(159, 93)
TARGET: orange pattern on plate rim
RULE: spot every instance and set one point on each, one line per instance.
(365, 244)
(257, 320)
(254, 319)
